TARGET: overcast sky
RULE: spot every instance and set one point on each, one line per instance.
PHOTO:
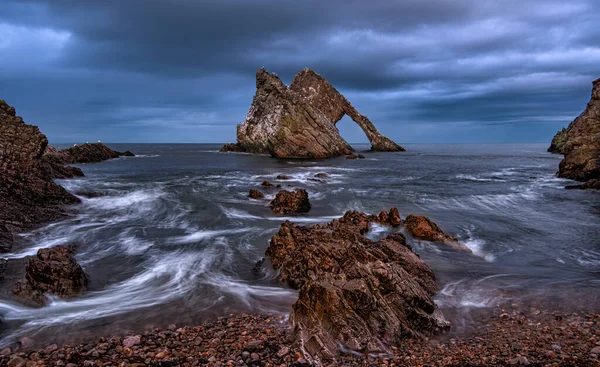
(183, 70)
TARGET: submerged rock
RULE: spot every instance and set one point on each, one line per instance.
(28, 195)
(580, 143)
(53, 270)
(424, 228)
(283, 177)
(299, 121)
(354, 293)
(291, 202)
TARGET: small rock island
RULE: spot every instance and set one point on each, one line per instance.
(299, 121)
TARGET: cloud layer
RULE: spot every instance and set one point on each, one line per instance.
(183, 71)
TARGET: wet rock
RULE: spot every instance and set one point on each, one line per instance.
(266, 183)
(299, 121)
(28, 195)
(580, 143)
(394, 217)
(127, 154)
(588, 185)
(255, 194)
(321, 175)
(258, 267)
(52, 270)
(424, 228)
(360, 156)
(351, 156)
(354, 293)
(231, 147)
(291, 202)
(284, 177)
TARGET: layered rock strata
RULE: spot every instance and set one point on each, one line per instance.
(354, 293)
(52, 271)
(299, 121)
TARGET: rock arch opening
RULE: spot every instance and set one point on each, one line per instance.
(353, 134)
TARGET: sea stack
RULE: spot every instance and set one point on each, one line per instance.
(299, 121)
(580, 144)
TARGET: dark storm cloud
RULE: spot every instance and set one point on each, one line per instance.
(184, 70)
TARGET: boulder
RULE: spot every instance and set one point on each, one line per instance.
(580, 143)
(291, 202)
(351, 156)
(255, 194)
(28, 195)
(322, 175)
(354, 293)
(424, 228)
(360, 156)
(53, 270)
(299, 121)
(284, 177)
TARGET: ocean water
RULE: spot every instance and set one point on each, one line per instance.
(170, 236)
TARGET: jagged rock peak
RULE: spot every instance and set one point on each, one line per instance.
(299, 121)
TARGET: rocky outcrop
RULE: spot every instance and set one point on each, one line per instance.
(28, 196)
(53, 271)
(291, 202)
(90, 153)
(299, 121)
(580, 143)
(354, 293)
(424, 228)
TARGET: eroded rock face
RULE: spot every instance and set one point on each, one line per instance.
(52, 270)
(580, 142)
(354, 293)
(28, 196)
(324, 97)
(424, 228)
(299, 121)
(291, 202)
